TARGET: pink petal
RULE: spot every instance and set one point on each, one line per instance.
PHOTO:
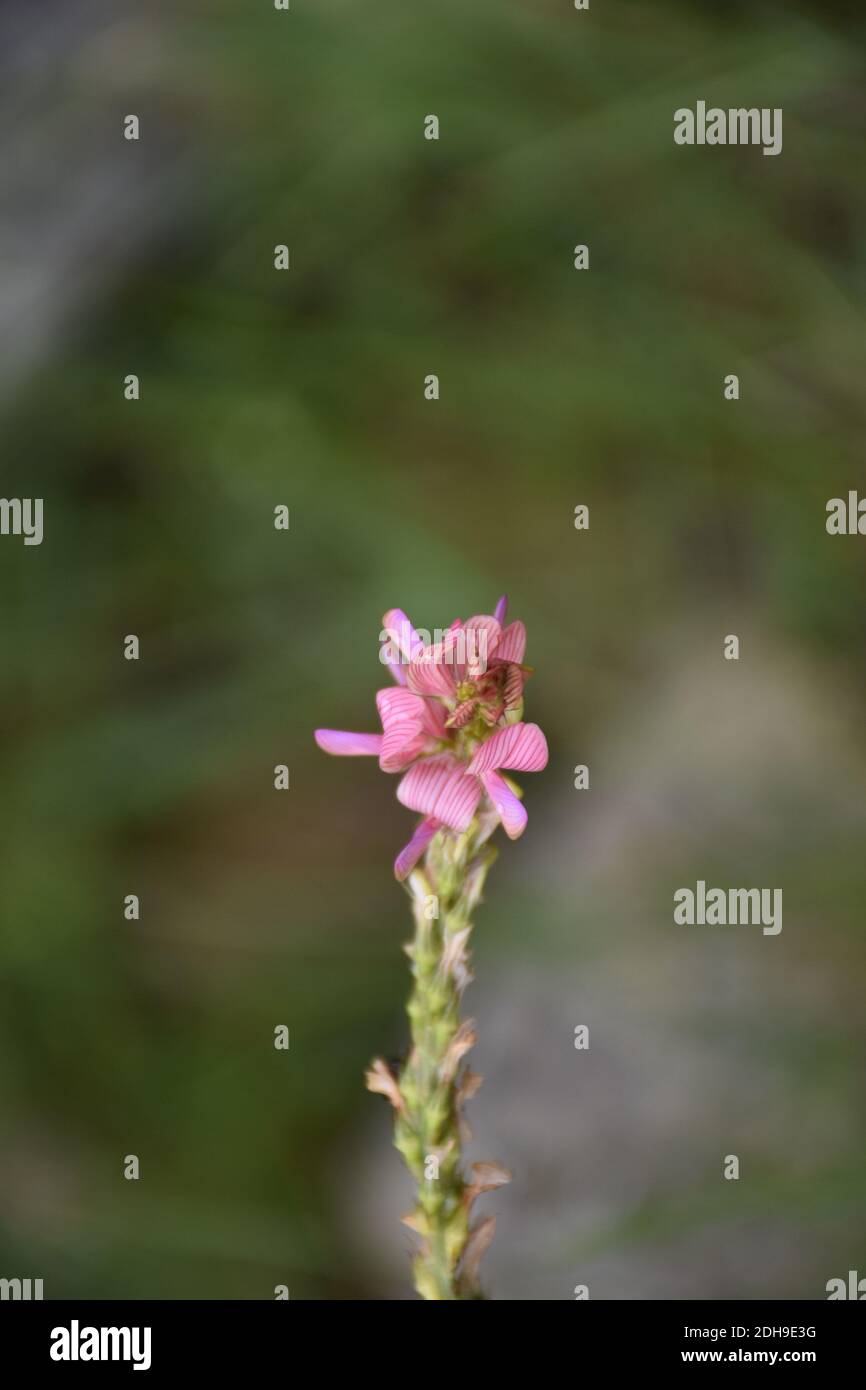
(389, 655)
(433, 670)
(407, 722)
(522, 747)
(400, 632)
(397, 706)
(510, 807)
(411, 853)
(434, 717)
(440, 787)
(512, 644)
(402, 706)
(480, 636)
(346, 745)
(398, 752)
(501, 609)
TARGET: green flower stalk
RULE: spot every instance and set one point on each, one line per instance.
(452, 722)
(433, 1085)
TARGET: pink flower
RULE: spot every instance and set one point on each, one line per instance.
(452, 724)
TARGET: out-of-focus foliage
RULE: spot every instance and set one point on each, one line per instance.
(306, 388)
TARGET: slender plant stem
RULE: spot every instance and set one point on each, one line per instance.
(433, 1084)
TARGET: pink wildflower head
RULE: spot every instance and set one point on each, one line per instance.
(452, 724)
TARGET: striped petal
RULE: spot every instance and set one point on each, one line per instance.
(501, 609)
(346, 745)
(480, 636)
(509, 807)
(522, 747)
(411, 853)
(433, 670)
(394, 705)
(512, 644)
(409, 724)
(440, 787)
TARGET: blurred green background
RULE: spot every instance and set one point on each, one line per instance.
(258, 388)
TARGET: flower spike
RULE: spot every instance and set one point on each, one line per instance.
(451, 725)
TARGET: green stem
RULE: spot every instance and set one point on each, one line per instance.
(431, 1087)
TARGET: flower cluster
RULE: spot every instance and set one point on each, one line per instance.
(451, 723)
